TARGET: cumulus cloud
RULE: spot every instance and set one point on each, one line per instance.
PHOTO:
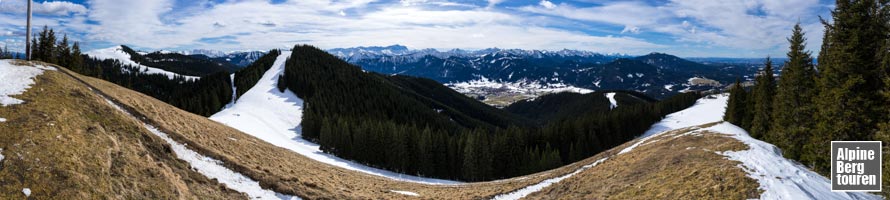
(55, 8)
(547, 4)
(751, 25)
(58, 8)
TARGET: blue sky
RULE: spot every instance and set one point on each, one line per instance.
(689, 28)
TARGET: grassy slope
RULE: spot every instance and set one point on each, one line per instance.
(288, 172)
(668, 166)
(66, 142)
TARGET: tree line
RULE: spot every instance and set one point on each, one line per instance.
(845, 97)
(408, 126)
(204, 96)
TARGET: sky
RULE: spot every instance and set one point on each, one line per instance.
(688, 28)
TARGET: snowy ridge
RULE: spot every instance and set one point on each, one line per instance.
(705, 110)
(273, 116)
(780, 178)
(118, 53)
(670, 122)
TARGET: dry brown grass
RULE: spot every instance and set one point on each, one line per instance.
(668, 166)
(64, 142)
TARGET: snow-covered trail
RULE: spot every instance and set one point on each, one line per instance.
(274, 117)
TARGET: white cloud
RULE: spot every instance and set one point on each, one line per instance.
(631, 29)
(264, 25)
(547, 4)
(56, 8)
(757, 25)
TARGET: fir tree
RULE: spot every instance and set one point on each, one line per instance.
(764, 90)
(793, 106)
(849, 78)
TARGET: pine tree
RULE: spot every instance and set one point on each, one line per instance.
(793, 106)
(764, 90)
(736, 108)
(849, 78)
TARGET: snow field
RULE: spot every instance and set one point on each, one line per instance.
(274, 117)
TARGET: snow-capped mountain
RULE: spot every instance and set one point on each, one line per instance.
(657, 74)
(238, 58)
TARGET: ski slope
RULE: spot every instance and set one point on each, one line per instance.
(274, 116)
(118, 53)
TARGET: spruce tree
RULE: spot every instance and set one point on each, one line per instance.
(793, 106)
(764, 90)
(63, 52)
(736, 107)
(848, 102)
(76, 58)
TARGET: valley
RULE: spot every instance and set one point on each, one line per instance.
(500, 100)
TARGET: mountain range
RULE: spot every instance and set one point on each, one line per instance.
(655, 74)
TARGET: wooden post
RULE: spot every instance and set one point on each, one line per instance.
(28, 34)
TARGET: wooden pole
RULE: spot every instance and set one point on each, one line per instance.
(28, 34)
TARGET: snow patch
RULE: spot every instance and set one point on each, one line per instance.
(117, 53)
(406, 193)
(1, 155)
(16, 80)
(779, 177)
(26, 191)
(2, 119)
(543, 184)
(273, 116)
(611, 96)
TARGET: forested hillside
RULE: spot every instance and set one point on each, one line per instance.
(180, 64)
(569, 104)
(416, 126)
(204, 96)
(247, 77)
(845, 98)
